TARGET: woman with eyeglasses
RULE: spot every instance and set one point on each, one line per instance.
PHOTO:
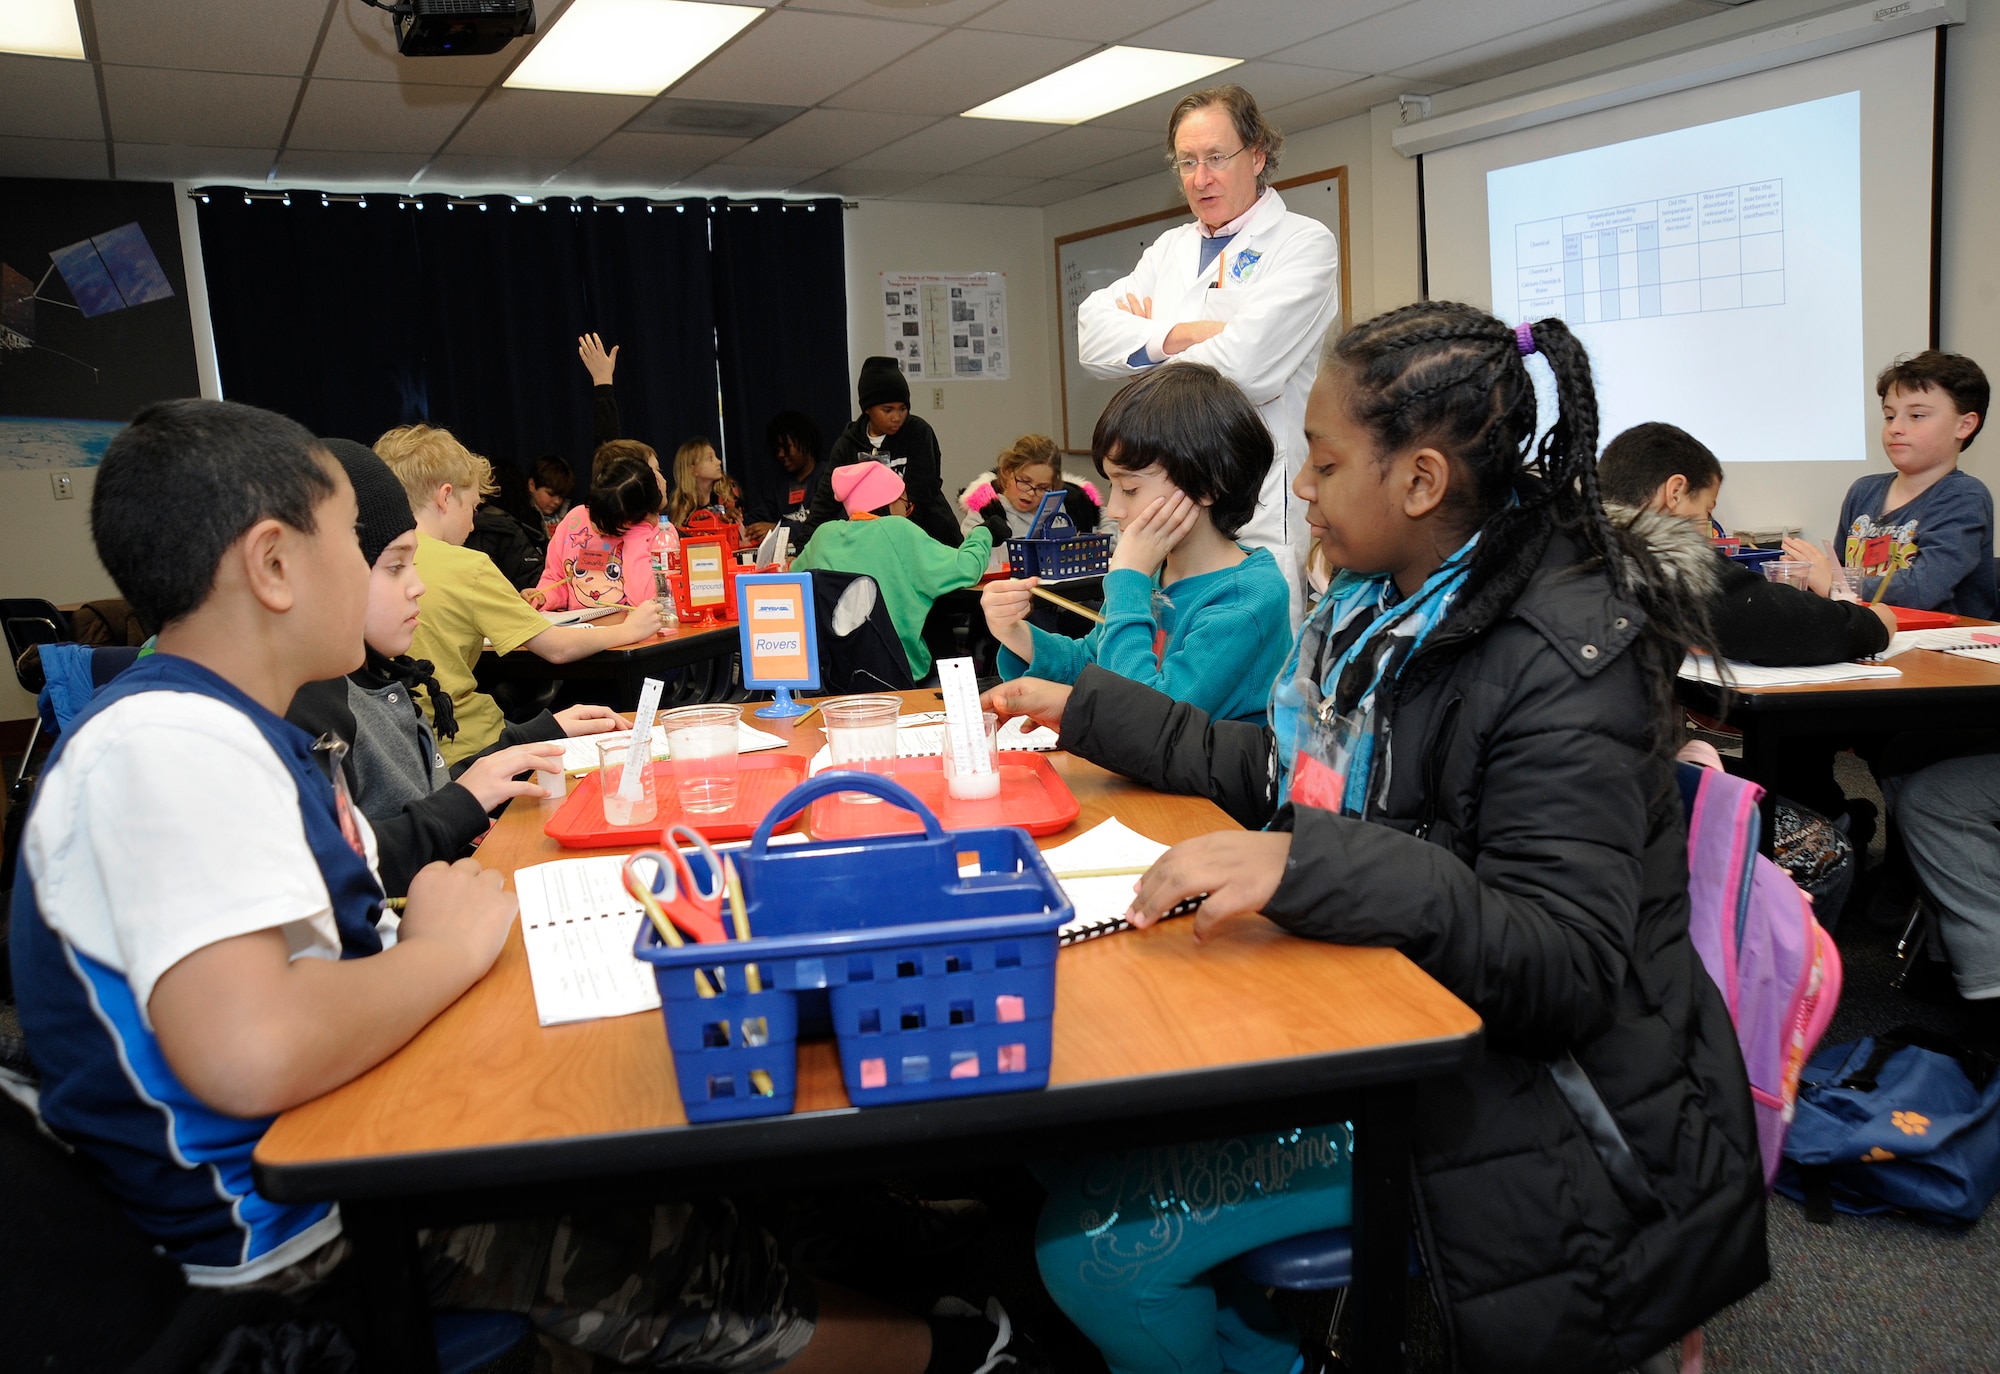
(1005, 500)
(1249, 288)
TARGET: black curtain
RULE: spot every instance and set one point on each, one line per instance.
(781, 317)
(353, 318)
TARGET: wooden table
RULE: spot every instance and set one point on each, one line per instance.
(1933, 691)
(1155, 1039)
(677, 646)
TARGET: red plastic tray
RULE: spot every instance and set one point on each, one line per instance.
(1032, 796)
(1907, 619)
(763, 779)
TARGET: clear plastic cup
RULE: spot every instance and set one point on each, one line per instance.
(861, 734)
(1791, 572)
(702, 742)
(974, 786)
(1853, 576)
(620, 808)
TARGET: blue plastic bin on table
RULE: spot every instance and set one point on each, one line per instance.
(939, 984)
(1053, 547)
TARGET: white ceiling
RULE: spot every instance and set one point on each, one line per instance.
(312, 92)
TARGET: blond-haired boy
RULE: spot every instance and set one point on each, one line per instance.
(468, 603)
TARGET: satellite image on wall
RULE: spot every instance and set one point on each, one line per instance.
(70, 330)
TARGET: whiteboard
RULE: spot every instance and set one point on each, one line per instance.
(1092, 259)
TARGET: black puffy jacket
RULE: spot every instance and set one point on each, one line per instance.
(1589, 1191)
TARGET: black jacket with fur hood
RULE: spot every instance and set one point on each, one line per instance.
(1755, 620)
(1591, 1190)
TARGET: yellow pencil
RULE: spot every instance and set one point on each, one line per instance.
(740, 918)
(1106, 872)
(1887, 577)
(1092, 616)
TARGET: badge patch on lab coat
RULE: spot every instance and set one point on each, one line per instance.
(1245, 264)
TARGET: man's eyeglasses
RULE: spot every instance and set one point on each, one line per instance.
(1214, 162)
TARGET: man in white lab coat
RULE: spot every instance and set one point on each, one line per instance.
(1249, 288)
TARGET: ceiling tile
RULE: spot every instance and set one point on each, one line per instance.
(1593, 28)
(1424, 29)
(962, 69)
(828, 138)
(1273, 83)
(1100, 21)
(388, 170)
(1065, 152)
(922, 11)
(361, 46)
(1150, 163)
(52, 157)
(560, 124)
(1048, 193)
(847, 181)
(642, 159)
(270, 36)
(800, 59)
(1237, 28)
(148, 162)
(950, 144)
(1350, 99)
(198, 109)
(379, 116)
(744, 180)
(456, 171)
(967, 190)
(48, 97)
(738, 119)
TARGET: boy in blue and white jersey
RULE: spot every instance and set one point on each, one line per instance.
(199, 941)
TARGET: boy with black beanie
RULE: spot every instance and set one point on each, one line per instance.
(393, 766)
(885, 432)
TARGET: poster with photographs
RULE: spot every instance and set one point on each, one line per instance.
(947, 326)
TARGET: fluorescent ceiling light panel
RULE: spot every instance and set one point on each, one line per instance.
(1101, 83)
(40, 28)
(627, 47)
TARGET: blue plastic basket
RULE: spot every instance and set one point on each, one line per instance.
(1053, 547)
(1083, 555)
(939, 984)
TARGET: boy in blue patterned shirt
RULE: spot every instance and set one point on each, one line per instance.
(1926, 528)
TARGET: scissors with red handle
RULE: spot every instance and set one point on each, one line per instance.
(694, 910)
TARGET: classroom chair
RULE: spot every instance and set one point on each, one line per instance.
(87, 1291)
(27, 621)
(1317, 1262)
(859, 650)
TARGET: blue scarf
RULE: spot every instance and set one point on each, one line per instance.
(1394, 628)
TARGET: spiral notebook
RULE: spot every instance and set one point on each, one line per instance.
(1100, 903)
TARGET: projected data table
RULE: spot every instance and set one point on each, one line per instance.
(1681, 255)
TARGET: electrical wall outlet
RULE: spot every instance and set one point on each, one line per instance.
(937, 398)
(64, 484)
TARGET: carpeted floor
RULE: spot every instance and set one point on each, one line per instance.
(1871, 1294)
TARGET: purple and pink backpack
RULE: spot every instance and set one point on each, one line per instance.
(1778, 970)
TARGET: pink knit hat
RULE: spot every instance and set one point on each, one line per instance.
(865, 486)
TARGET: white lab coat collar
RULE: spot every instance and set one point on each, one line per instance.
(1242, 221)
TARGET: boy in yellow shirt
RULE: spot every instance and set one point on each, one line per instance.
(469, 603)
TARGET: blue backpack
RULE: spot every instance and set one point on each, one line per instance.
(1904, 1121)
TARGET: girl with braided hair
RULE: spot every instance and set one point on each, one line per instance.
(1468, 760)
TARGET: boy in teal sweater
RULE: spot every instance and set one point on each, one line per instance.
(909, 567)
(1187, 610)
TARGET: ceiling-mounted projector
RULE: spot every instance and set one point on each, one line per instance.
(458, 28)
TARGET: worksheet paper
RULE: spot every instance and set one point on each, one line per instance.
(1947, 639)
(1702, 669)
(580, 751)
(1100, 903)
(578, 924)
